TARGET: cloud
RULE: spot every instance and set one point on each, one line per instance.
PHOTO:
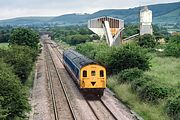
(18, 8)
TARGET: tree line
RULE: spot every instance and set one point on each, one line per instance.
(17, 62)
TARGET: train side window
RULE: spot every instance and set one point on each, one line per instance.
(101, 73)
(84, 73)
(93, 73)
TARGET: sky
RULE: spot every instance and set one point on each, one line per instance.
(23, 8)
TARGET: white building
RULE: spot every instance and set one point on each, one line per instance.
(146, 21)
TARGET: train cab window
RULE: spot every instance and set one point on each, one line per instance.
(101, 73)
(84, 73)
(93, 73)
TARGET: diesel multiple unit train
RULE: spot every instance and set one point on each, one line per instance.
(90, 76)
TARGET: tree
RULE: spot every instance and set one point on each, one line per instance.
(173, 46)
(25, 37)
(21, 58)
(118, 58)
(13, 97)
(147, 41)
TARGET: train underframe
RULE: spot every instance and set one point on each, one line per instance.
(93, 91)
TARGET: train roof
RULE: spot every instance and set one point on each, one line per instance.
(78, 59)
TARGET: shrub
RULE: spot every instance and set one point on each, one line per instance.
(91, 49)
(173, 46)
(125, 57)
(128, 75)
(152, 91)
(173, 107)
(116, 58)
(24, 37)
(174, 39)
(172, 49)
(149, 89)
(77, 39)
(13, 97)
(138, 83)
(147, 41)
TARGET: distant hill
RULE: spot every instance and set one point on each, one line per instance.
(162, 14)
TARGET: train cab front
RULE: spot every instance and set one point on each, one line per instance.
(93, 79)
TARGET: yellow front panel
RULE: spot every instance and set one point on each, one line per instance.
(93, 78)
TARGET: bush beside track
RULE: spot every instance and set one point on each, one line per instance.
(116, 58)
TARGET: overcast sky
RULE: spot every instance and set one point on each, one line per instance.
(19, 8)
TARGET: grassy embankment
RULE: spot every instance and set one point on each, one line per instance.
(167, 69)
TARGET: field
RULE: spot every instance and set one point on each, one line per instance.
(4, 45)
(167, 69)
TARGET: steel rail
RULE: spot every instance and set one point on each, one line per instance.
(64, 89)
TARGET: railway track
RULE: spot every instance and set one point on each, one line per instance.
(62, 107)
(97, 106)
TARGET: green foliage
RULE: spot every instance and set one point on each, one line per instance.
(21, 58)
(116, 58)
(173, 107)
(128, 75)
(160, 32)
(147, 41)
(24, 37)
(13, 97)
(174, 39)
(138, 83)
(73, 35)
(173, 46)
(153, 91)
(172, 49)
(130, 30)
(4, 36)
(77, 39)
(149, 89)
(88, 49)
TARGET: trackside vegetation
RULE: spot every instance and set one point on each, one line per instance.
(130, 61)
(116, 58)
(17, 62)
(143, 74)
(13, 95)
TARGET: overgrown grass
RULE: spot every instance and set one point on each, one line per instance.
(146, 110)
(167, 70)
